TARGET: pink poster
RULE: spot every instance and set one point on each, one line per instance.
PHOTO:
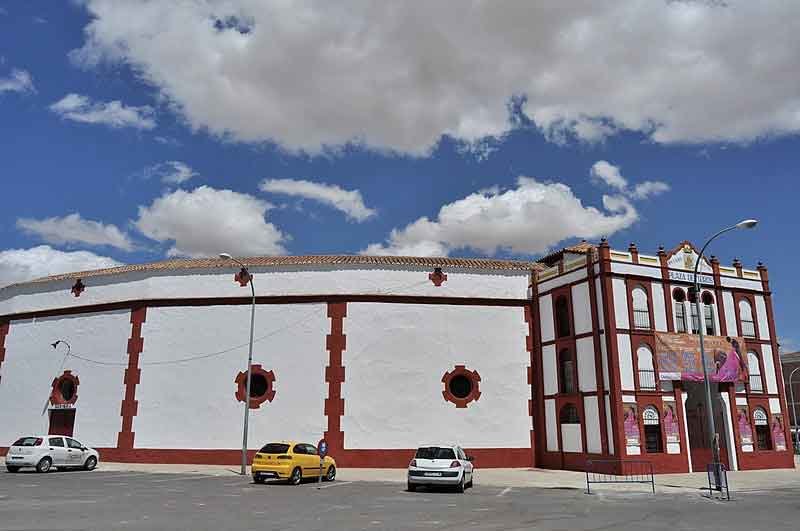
(679, 358)
(631, 426)
(743, 420)
(671, 428)
(778, 437)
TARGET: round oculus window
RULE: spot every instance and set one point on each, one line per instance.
(461, 386)
(258, 385)
(262, 386)
(67, 389)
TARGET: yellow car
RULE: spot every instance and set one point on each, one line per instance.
(292, 461)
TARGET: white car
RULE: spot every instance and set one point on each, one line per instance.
(440, 464)
(47, 451)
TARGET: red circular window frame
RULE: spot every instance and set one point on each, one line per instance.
(241, 386)
(56, 398)
(472, 376)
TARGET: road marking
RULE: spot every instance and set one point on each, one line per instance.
(337, 484)
(504, 492)
(181, 479)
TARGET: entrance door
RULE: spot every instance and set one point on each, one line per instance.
(62, 422)
(697, 423)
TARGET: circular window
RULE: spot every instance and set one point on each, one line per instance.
(65, 389)
(262, 386)
(461, 386)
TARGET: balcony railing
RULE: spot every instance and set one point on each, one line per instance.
(641, 319)
(756, 383)
(748, 328)
(647, 380)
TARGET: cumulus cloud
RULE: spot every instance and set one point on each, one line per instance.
(74, 229)
(605, 172)
(17, 81)
(170, 172)
(114, 114)
(348, 201)
(207, 221)
(19, 265)
(398, 75)
(528, 219)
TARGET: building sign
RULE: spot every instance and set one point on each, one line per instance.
(679, 358)
(688, 276)
(62, 406)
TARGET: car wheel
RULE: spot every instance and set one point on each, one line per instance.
(296, 477)
(331, 475)
(44, 465)
(12, 469)
(411, 487)
(90, 463)
(460, 486)
(258, 479)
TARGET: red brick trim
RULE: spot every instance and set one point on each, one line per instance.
(78, 288)
(130, 406)
(336, 343)
(56, 397)
(241, 386)
(437, 277)
(529, 347)
(472, 376)
(615, 393)
(4, 328)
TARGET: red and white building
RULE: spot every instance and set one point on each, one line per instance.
(546, 363)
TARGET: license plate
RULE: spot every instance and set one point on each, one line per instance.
(433, 474)
(16, 458)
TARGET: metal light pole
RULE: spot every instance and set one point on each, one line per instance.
(796, 442)
(227, 256)
(745, 224)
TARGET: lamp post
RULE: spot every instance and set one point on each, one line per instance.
(745, 224)
(227, 256)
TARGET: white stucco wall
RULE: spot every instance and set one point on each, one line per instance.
(763, 322)
(581, 309)
(206, 283)
(620, 303)
(549, 370)
(627, 382)
(571, 438)
(396, 356)
(31, 364)
(769, 369)
(192, 405)
(551, 425)
(566, 278)
(609, 426)
(601, 320)
(659, 306)
(592, 420)
(546, 319)
(729, 309)
(587, 375)
(604, 360)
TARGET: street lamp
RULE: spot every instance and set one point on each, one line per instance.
(226, 256)
(744, 224)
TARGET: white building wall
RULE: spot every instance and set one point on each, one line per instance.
(620, 303)
(546, 320)
(627, 383)
(193, 405)
(659, 306)
(761, 314)
(587, 375)
(581, 309)
(395, 358)
(769, 369)
(609, 427)
(729, 309)
(571, 438)
(551, 425)
(31, 364)
(549, 370)
(592, 420)
(604, 360)
(601, 320)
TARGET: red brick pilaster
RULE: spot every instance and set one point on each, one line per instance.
(336, 343)
(129, 404)
(531, 374)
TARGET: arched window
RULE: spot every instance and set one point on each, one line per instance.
(566, 371)
(641, 310)
(708, 313)
(563, 328)
(754, 368)
(679, 297)
(569, 415)
(746, 318)
(763, 439)
(647, 371)
(652, 430)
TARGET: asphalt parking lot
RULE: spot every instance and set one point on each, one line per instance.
(144, 501)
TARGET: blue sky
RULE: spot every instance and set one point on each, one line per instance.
(132, 132)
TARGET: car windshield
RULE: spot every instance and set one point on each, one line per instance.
(275, 448)
(435, 452)
(26, 441)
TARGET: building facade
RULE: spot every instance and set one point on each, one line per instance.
(546, 363)
(790, 363)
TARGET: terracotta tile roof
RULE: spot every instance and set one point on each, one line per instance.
(288, 261)
(582, 248)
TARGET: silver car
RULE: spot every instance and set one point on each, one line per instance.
(440, 465)
(45, 452)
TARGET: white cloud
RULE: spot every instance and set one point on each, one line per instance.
(348, 201)
(207, 221)
(170, 172)
(528, 219)
(398, 75)
(113, 113)
(19, 265)
(74, 229)
(17, 81)
(605, 172)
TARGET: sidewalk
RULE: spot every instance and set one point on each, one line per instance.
(745, 481)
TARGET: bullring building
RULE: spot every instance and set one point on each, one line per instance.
(589, 352)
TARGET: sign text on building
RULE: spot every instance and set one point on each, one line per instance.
(688, 276)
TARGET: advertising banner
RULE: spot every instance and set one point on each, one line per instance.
(778, 437)
(743, 420)
(631, 422)
(679, 358)
(671, 427)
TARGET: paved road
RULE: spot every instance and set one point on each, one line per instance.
(142, 501)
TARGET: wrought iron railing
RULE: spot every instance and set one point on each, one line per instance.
(641, 319)
(619, 471)
(756, 383)
(748, 328)
(647, 380)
